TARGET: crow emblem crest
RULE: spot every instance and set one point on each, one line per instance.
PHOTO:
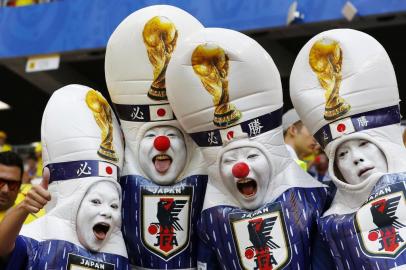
(380, 225)
(166, 222)
(261, 240)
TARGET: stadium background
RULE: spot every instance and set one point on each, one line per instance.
(78, 31)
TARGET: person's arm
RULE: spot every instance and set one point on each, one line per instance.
(321, 256)
(206, 257)
(11, 225)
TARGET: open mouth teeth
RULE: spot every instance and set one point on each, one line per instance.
(100, 230)
(247, 187)
(162, 163)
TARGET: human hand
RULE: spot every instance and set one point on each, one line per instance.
(38, 196)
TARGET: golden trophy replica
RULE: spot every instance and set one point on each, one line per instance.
(102, 114)
(210, 63)
(325, 59)
(160, 37)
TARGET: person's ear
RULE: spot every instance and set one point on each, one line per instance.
(292, 130)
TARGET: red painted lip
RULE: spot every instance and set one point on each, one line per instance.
(361, 172)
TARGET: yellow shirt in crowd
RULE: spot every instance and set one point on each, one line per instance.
(20, 197)
(5, 148)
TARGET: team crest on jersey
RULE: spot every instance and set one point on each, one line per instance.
(165, 224)
(261, 239)
(381, 223)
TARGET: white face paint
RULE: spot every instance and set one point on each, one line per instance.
(162, 166)
(358, 159)
(99, 215)
(249, 188)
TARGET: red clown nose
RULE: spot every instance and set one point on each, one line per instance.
(241, 170)
(162, 143)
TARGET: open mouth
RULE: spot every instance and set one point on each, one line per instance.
(100, 230)
(363, 171)
(247, 187)
(162, 163)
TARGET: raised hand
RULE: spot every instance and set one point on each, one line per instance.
(38, 196)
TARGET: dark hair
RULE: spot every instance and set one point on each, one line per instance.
(32, 155)
(10, 158)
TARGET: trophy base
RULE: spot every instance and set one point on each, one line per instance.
(157, 93)
(336, 111)
(107, 154)
(227, 118)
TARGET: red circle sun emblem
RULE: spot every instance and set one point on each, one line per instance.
(249, 253)
(161, 112)
(373, 236)
(341, 127)
(153, 229)
(109, 170)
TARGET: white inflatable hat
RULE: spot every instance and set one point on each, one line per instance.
(82, 140)
(343, 87)
(364, 81)
(226, 93)
(249, 94)
(137, 56)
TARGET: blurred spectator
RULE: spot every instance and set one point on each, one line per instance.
(404, 137)
(38, 155)
(3, 145)
(16, 3)
(19, 3)
(298, 139)
(319, 170)
(403, 127)
(12, 191)
(30, 168)
(311, 158)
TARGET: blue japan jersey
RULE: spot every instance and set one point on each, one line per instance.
(61, 255)
(276, 236)
(373, 238)
(159, 222)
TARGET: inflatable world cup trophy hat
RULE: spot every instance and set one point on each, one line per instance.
(82, 147)
(137, 56)
(226, 93)
(164, 174)
(343, 86)
(82, 140)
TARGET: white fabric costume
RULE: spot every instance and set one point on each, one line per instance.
(361, 102)
(136, 58)
(226, 93)
(76, 124)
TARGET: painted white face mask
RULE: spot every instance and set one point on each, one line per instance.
(99, 215)
(162, 154)
(358, 159)
(246, 174)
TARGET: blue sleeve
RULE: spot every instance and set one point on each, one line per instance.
(206, 257)
(18, 259)
(321, 257)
